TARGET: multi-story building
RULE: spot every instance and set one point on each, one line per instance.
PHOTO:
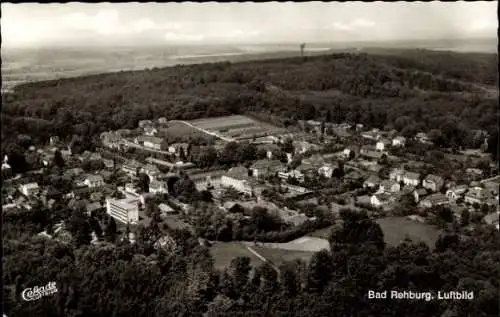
(124, 210)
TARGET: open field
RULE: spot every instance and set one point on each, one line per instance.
(397, 228)
(237, 127)
(224, 252)
(322, 233)
(279, 256)
(305, 244)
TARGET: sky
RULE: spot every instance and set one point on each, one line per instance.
(31, 24)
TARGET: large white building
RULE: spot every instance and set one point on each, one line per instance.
(124, 210)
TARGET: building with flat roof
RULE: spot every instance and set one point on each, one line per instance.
(124, 210)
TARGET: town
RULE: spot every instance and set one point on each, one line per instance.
(237, 178)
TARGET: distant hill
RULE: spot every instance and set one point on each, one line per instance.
(409, 90)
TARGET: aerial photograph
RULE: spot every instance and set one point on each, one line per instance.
(278, 159)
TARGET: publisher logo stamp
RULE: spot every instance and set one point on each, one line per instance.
(37, 292)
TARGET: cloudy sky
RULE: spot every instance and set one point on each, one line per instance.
(202, 23)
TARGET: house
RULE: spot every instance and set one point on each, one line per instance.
(412, 179)
(422, 138)
(359, 127)
(475, 195)
(111, 140)
(269, 148)
(237, 177)
(93, 181)
(347, 153)
(399, 141)
(30, 189)
(433, 182)
(474, 172)
(397, 174)
(162, 120)
(54, 140)
(109, 164)
(132, 168)
(492, 219)
(382, 145)
(306, 169)
(370, 152)
(295, 174)
(151, 170)
(433, 200)
(315, 160)
(158, 187)
(374, 134)
(165, 209)
(96, 196)
(92, 207)
(389, 186)
(152, 142)
(456, 192)
(123, 132)
(149, 131)
(302, 146)
(145, 123)
(263, 168)
(207, 180)
(372, 182)
(47, 159)
(327, 170)
(176, 148)
(419, 194)
(381, 199)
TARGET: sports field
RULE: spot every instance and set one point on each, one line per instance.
(237, 127)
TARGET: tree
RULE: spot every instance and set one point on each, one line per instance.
(111, 230)
(320, 271)
(58, 159)
(143, 183)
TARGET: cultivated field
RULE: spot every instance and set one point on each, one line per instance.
(237, 127)
(179, 130)
(397, 228)
(224, 252)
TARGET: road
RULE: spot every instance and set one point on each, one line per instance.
(205, 131)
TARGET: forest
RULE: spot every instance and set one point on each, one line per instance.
(118, 278)
(408, 90)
